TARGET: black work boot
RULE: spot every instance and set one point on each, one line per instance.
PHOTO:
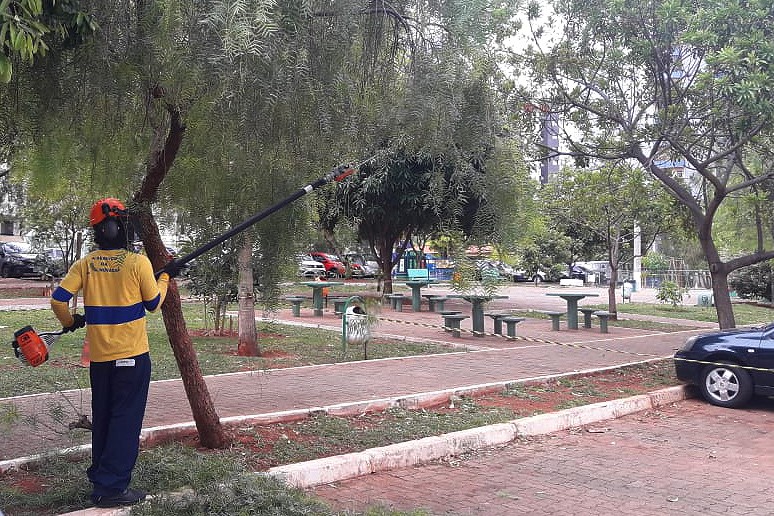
(128, 497)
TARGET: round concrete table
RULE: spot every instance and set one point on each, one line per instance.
(317, 296)
(572, 299)
(477, 309)
(416, 295)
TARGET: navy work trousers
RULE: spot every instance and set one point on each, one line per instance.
(119, 392)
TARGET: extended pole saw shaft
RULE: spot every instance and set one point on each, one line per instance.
(337, 174)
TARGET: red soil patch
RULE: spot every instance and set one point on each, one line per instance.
(258, 441)
(28, 483)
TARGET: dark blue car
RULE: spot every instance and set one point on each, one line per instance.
(729, 366)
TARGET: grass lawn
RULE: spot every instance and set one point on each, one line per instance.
(746, 314)
(281, 346)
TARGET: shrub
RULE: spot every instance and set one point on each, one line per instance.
(753, 282)
(670, 292)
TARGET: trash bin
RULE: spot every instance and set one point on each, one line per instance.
(705, 299)
(355, 325)
(628, 288)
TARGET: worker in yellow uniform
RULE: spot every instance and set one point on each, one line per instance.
(118, 287)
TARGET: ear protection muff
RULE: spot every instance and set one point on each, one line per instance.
(110, 226)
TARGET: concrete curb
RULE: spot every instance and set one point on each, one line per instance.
(428, 449)
(412, 453)
(152, 435)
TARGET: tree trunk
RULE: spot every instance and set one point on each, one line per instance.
(611, 292)
(385, 264)
(719, 273)
(163, 152)
(248, 341)
(722, 297)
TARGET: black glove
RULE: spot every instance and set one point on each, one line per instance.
(174, 268)
(79, 321)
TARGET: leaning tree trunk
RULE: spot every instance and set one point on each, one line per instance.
(163, 152)
(248, 341)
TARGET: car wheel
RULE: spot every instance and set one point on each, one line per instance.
(726, 386)
(4, 271)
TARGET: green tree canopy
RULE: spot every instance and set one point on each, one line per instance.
(674, 85)
(611, 205)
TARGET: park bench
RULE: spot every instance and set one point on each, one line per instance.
(338, 304)
(444, 313)
(451, 322)
(603, 317)
(396, 300)
(555, 317)
(510, 324)
(436, 303)
(497, 318)
(587, 313)
(296, 302)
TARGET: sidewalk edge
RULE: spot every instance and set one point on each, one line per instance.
(412, 453)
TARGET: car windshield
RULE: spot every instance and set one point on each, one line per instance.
(18, 247)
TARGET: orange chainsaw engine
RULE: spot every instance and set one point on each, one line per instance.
(29, 344)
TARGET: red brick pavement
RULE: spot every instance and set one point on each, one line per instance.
(690, 458)
(259, 392)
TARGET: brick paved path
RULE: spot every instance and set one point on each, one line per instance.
(487, 360)
(690, 458)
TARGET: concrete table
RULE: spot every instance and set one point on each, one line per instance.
(317, 295)
(572, 299)
(477, 303)
(416, 296)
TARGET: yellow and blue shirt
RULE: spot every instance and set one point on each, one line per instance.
(118, 288)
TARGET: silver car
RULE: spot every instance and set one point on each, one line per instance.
(309, 268)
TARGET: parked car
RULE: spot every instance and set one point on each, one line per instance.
(729, 366)
(334, 267)
(50, 263)
(359, 266)
(536, 277)
(309, 268)
(578, 272)
(371, 265)
(17, 259)
(487, 269)
(502, 269)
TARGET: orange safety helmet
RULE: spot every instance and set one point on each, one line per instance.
(104, 208)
